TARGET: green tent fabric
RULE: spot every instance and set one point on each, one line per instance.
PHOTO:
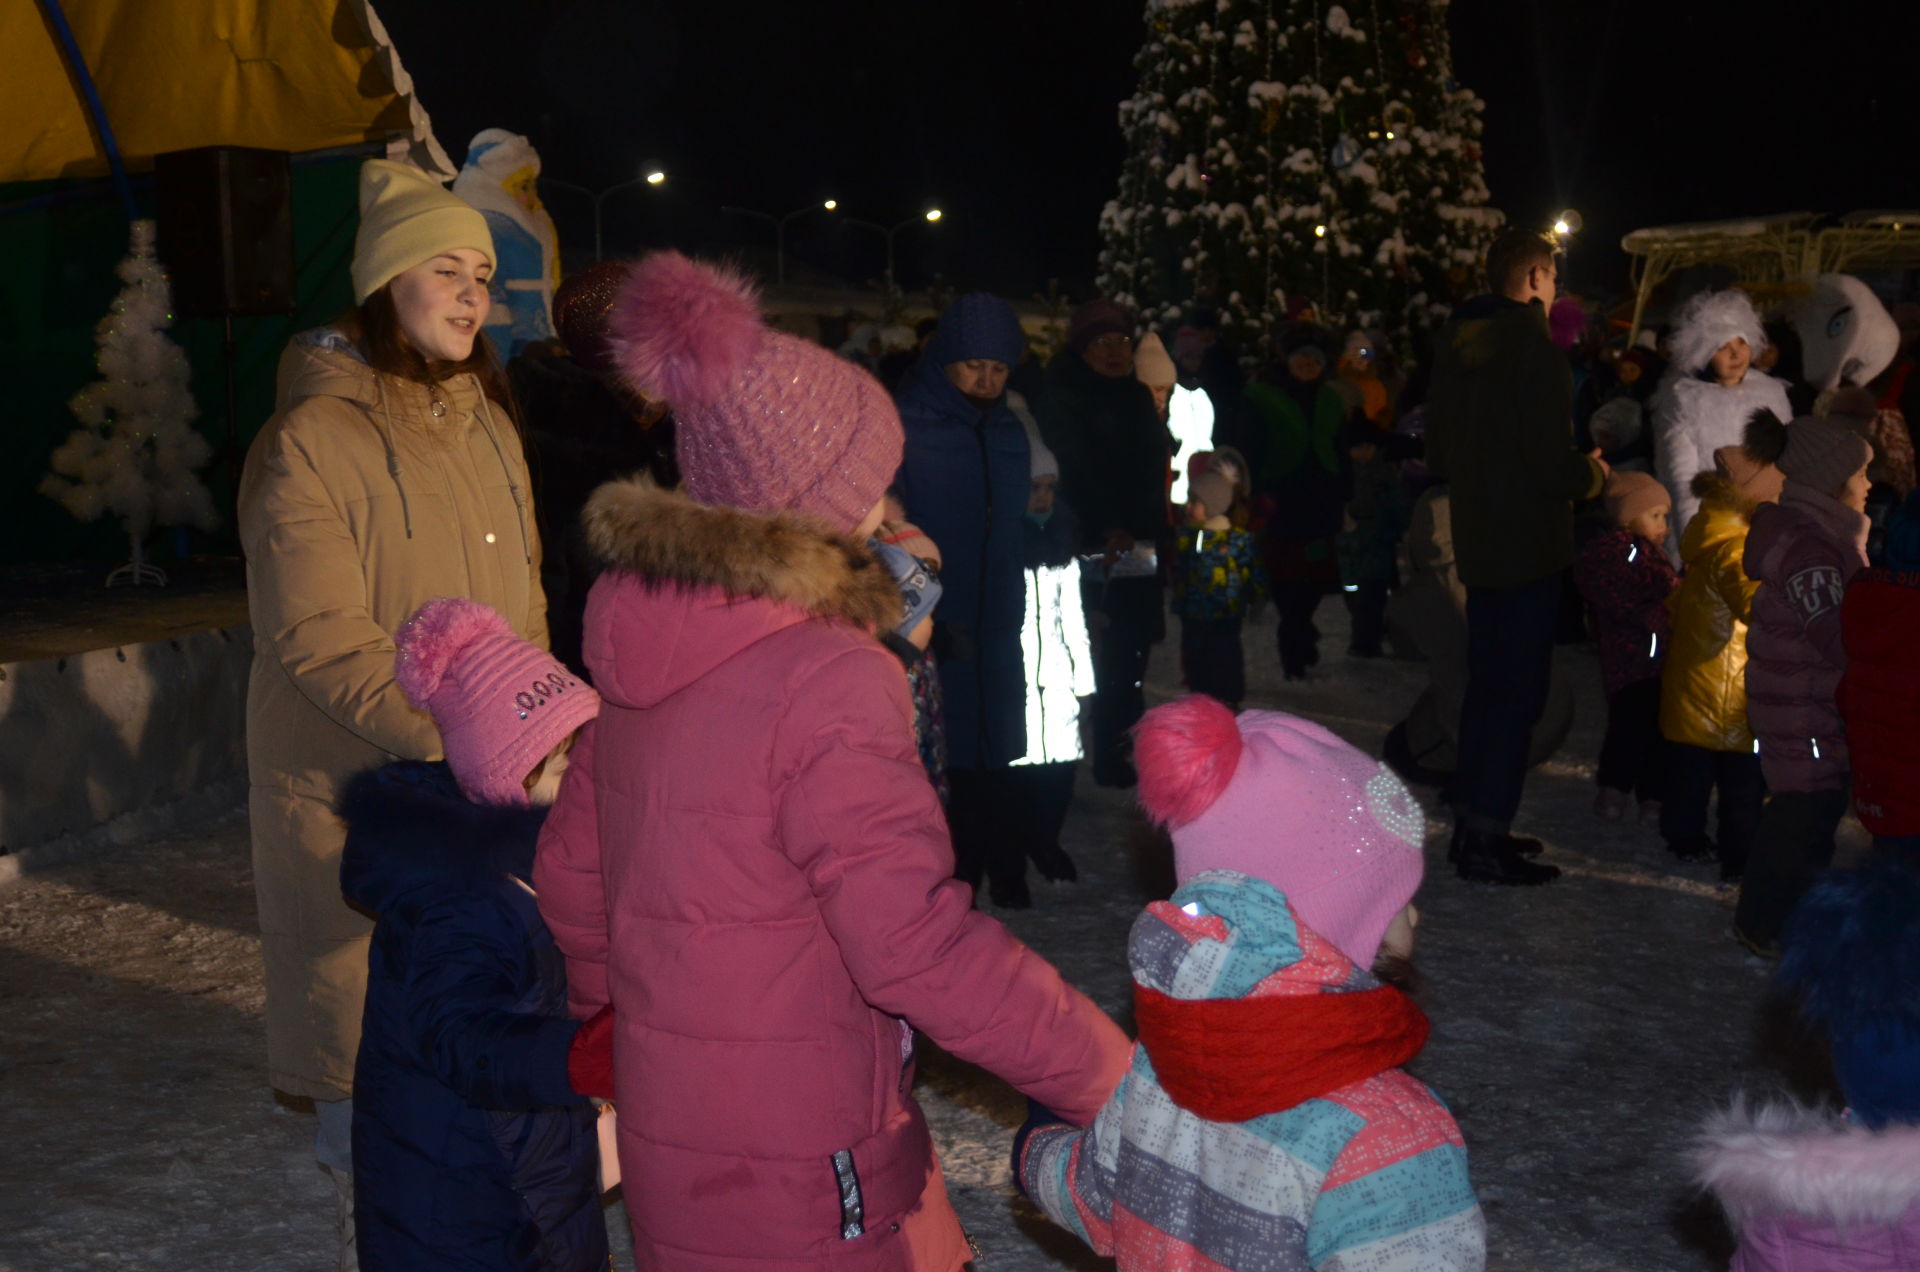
(59, 283)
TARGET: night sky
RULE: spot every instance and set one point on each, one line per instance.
(1003, 115)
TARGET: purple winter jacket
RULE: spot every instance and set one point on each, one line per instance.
(1811, 1192)
(1625, 580)
(1801, 551)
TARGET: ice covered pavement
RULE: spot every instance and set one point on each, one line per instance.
(1580, 1032)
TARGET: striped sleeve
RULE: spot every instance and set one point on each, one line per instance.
(1069, 1173)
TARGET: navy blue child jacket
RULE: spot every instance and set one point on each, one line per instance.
(470, 1150)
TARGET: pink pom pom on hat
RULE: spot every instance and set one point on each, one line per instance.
(1282, 799)
(764, 420)
(502, 703)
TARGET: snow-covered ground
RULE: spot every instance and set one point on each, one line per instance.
(1580, 1032)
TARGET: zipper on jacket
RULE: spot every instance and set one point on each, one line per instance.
(980, 600)
(852, 1209)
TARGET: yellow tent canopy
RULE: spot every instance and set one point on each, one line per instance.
(291, 75)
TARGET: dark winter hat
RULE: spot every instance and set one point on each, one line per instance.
(1305, 337)
(1212, 490)
(977, 325)
(1822, 454)
(1852, 949)
(582, 310)
(1097, 318)
(1903, 536)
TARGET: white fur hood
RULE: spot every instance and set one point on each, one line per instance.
(1777, 1158)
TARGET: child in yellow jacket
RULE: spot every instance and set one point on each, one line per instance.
(1703, 691)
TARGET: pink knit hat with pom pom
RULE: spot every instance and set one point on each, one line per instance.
(502, 703)
(765, 421)
(1280, 798)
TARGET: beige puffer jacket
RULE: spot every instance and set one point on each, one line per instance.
(363, 497)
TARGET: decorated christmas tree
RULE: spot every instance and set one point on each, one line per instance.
(1289, 151)
(135, 452)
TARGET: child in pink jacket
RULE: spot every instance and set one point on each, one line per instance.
(747, 860)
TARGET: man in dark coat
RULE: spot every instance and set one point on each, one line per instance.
(963, 480)
(1114, 465)
(1500, 431)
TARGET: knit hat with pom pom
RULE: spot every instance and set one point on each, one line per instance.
(502, 703)
(765, 421)
(1280, 798)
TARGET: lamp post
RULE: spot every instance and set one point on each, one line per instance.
(779, 224)
(930, 216)
(652, 178)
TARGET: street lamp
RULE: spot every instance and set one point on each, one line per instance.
(653, 178)
(931, 215)
(779, 224)
(1567, 224)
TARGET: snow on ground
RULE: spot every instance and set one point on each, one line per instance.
(1580, 1032)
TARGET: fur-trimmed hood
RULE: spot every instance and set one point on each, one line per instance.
(704, 582)
(1785, 1158)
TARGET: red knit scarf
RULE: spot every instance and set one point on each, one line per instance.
(1232, 1059)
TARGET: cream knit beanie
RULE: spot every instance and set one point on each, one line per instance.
(407, 217)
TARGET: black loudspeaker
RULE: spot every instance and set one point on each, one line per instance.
(225, 231)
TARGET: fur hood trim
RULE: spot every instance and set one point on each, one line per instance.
(1711, 485)
(1787, 1157)
(1709, 320)
(789, 557)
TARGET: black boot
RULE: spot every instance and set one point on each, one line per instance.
(1483, 858)
(1054, 865)
(1519, 843)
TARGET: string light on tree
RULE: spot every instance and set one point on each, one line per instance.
(135, 453)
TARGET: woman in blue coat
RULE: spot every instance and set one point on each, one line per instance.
(964, 480)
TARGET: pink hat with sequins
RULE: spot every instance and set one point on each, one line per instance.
(763, 420)
(1280, 798)
(502, 703)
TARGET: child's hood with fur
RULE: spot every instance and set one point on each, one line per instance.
(1772, 1159)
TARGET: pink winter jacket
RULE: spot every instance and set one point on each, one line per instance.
(1808, 1191)
(748, 862)
(1801, 551)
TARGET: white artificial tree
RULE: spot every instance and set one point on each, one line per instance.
(136, 453)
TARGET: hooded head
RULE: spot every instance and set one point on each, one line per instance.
(977, 325)
(407, 217)
(765, 421)
(1709, 321)
(1280, 798)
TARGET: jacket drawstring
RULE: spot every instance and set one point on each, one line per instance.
(393, 455)
(519, 495)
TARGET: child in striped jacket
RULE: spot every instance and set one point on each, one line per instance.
(1265, 1122)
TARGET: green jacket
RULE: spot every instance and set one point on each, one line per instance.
(1500, 431)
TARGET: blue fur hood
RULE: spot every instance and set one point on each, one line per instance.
(413, 837)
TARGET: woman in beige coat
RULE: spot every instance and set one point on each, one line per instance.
(391, 473)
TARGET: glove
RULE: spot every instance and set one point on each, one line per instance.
(1038, 1115)
(590, 1056)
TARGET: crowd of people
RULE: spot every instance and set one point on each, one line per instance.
(633, 727)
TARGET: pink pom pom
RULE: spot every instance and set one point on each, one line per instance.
(1186, 753)
(684, 331)
(436, 635)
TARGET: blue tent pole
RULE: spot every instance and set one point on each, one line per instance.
(96, 109)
